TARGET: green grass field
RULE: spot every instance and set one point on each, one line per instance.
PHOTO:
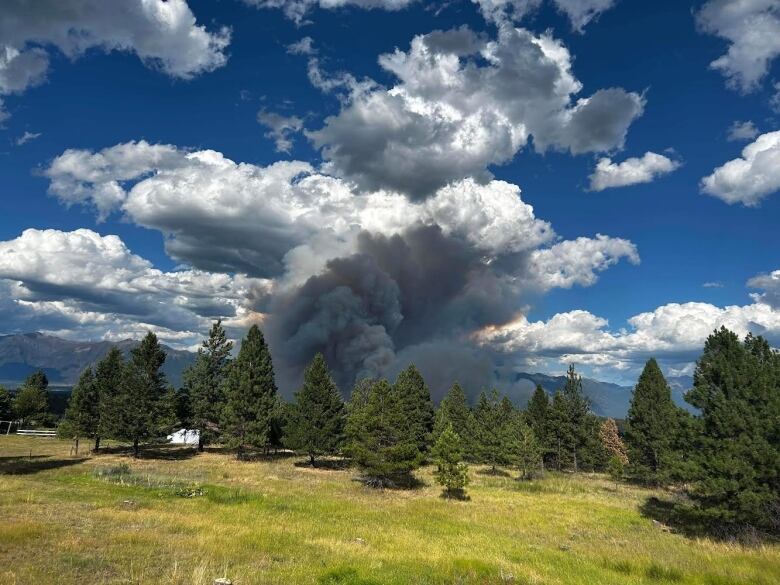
(187, 519)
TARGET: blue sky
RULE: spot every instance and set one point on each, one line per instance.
(102, 95)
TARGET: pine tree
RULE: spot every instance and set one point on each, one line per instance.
(651, 427)
(250, 392)
(205, 383)
(140, 401)
(616, 469)
(526, 451)
(492, 431)
(109, 375)
(571, 427)
(6, 411)
(737, 389)
(451, 473)
(610, 439)
(81, 417)
(454, 410)
(360, 394)
(316, 425)
(32, 399)
(380, 443)
(416, 405)
(538, 417)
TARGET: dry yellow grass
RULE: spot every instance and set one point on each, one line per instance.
(270, 522)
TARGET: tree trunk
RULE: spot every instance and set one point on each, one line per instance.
(77, 446)
(97, 444)
(135, 448)
(574, 452)
(311, 458)
(200, 443)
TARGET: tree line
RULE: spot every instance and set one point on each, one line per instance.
(726, 455)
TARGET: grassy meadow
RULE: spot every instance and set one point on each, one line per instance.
(180, 518)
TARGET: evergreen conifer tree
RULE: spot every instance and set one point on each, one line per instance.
(538, 415)
(6, 411)
(205, 384)
(380, 443)
(451, 473)
(492, 431)
(651, 427)
(416, 405)
(454, 410)
(526, 451)
(141, 396)
(250, 391)
(316, 425)
(109, 376)
(81, 417)
(32, 399)
(571, 425)
(737, 389)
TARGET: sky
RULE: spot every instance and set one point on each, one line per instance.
(481, 187)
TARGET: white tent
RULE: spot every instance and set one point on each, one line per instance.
(185, 437)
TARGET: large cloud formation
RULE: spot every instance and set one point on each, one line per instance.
(750, 178)
(673, 333)
(82, 280)
(368, 277)
(752, 28)
(464, 102)
(163, 34)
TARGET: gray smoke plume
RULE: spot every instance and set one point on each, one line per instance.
(409, 298)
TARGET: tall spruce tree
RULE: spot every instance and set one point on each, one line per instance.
(109, 376)
(140, 401)
(538, 417)
(32, 399)
(571, 427)
(651, 427)
(81, 416)
(250, 391)
(6, 410)
(492, 431)
(416, 405)
(451, 473)
(380, 443)
(737, 389)
(205, 384)
(525, 448)
(316, 425)
(454, 410)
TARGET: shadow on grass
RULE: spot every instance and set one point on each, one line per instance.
(25, 465)
(324, 464)
(161, 451)
(493, 472)
(459, 495)
(404, 482)
(686, 519)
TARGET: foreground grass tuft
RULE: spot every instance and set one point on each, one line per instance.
(184, 519)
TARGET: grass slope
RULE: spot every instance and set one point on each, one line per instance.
(187, 519)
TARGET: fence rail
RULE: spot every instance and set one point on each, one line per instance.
(36, 433)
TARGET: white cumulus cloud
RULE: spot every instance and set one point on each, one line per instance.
(750, 178)
(752, 28)
(163, 34)
(631, 171)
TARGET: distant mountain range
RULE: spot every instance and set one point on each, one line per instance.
(63, 360)
(606, 399)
